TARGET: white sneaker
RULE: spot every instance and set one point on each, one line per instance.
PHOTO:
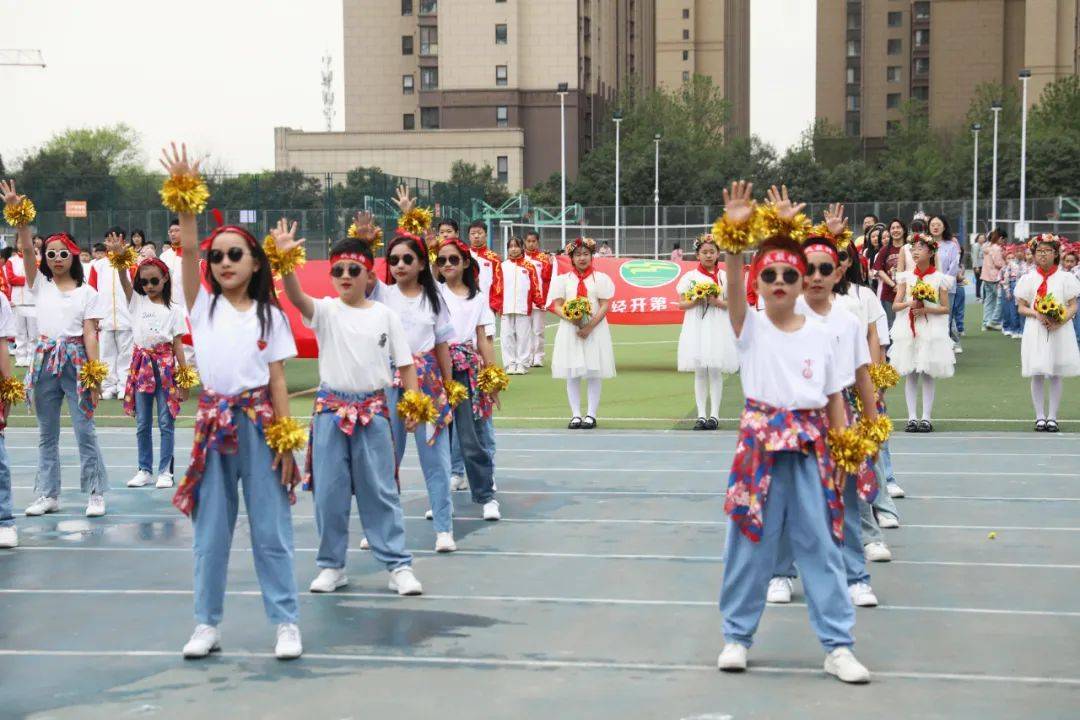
(141, 479)
(404, 582)
(877, 552)
(107, 394)
(9, 536)
(288, 645)
(204, 641)
(841, 662)
(164, 480)
(862, 595)
(457, 482)
(491, 511)
(43, 505)
(429, 515)
(329, 580)
(96, 506)
(364, 544)
(732, 658)
(779, 590)
(120, 395)
(895, 491)
(887, 521)
(444, 542)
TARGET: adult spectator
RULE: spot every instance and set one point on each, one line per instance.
(886, 265)
(867, 222)
(949, 254)
(977, 261)
(993, 262)
(676, 253)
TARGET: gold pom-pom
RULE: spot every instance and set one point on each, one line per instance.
(843, 240)
(415, 405)
(733, 238)
(12, 391)
(124, 259)
(21, 213)
(285, 435)
(373, 239)
(416, 221)
(185, 194)
(876, 431)
(768, 223)
(883, 375)
(456, 393)
(849, 449)
(186, 377)
(492, 379)
(92, 374)
(283, 263)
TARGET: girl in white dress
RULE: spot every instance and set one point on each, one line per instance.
(706, 341)
(583, 347)
(921, 347)
(1048, 350)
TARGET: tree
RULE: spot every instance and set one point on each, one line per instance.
(117, 146)
(53, 176)
(482, 179)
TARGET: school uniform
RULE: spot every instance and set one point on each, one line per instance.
(114, 329)
(25, 308)
(173, 260)
(521, 293)
(543, 264)
(491, 277)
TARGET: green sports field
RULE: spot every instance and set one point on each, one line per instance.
(986, 393)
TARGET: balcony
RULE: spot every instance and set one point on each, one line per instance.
(429, 7)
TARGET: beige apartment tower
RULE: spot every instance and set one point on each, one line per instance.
(875, 55)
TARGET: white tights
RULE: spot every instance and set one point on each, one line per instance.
(911, 392)
(573, 394)
(708, 383)
(1038, 382)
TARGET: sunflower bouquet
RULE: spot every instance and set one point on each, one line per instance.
(702, 291)
(924, 292)
(1049, 306)
(578, 310)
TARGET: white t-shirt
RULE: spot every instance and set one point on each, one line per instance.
(176, 274)
(795, 370)
(358, 345)
(851, 348)
(466, 315)
(7, 318)
(152, 323)
(114, 306)
(61, 314)
(423, 327)
(229, 353)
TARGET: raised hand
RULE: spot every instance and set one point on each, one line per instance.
(365, 224)
(402, 199)
(738, 202)
(284, 236)
(785, 208)
(834, 218)
(178, 163)
(114, 243)
(11, 197)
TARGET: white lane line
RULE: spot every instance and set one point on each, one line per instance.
(506, 663)
(533, 600)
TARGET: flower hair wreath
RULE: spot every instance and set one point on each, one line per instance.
(576, 243)
(707, 238)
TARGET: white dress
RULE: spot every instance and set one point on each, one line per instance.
(706, 340)
(592, 357)
(929, 349)
(1043, 352)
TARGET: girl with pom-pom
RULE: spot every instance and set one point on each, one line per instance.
(583, 347)
(783, 475)
(9, 536)
(921, 347)
(1048, 349)
(64, 365)
(351, 451)
(706, 343)
(241, 340)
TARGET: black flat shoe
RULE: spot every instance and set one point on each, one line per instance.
(712, 424)
(1052, 426)
(700, 424)
(588, 423)
(575, 423)
(912, 426)
(925, 426)
(1040, 426)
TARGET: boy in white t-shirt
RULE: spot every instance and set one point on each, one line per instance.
(351, 452)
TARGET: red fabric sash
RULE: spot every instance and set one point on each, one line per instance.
(1045, 276)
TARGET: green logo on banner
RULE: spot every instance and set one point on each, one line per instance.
(649, 273)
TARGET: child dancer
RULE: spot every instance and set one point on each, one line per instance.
(543, 264)
(583, 345)
(68, 315)
(1048, 350)
(1014, 269)
(706, 343)
(9, 536)
(921, 347)
(351, 451)
(242, 340)
(782, 476)
(157, 326)
(521, 294)
(114, 330)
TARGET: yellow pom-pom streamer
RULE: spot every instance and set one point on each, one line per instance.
(282, 264)
(124, 259)
(417, 221)
(92, 374)
(849, 449)
(492, 379)
(21, 213)
(186, 377)
(876, 431)
(768, 223)
(286, 435)
(12, 391)
(843, 240)
(883, 375)
(456, 393)
(417, 406)
(185, 194)
(733, 238)
(375, 239)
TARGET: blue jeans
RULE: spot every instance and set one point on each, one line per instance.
(956, 311)
(1076, 327)
(7, 519)
(144, 433)
(49, 392)
(269, 520)
(470, 435)
(434, 463)
(1011, 320)
(360, 466)
(796, 504)
(486, 430)
(883, 503)
(991, 304)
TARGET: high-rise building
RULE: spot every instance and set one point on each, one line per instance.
(875, 55)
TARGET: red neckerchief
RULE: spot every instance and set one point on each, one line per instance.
(920, 274)
(582, 291)
(178, 249)
(715, 274)
(1045, 276)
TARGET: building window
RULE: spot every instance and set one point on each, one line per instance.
(685, 34)
(429, 78)
(500, 75)
(854, 20)
(408, 121)
(502, 169)
(406, 7)
(429, 7)
(921, 92)
(407, 83)
(686, 13)
(429, 118)
(853, 76)
(896, 19)
(852, 103)
(892, 101)
(500, 34)
(853, 126)
(921, 66)
(892, 127)
(922, 37)
(892, 74)
(895, 46)
(429, 40)
(922, 10)
(853, 48)
(406, 44)
(502, 116)
(685, 55)
(686, 76)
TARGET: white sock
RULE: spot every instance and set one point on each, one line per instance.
(701, 390)
(593, 389)
(1055, 396)
(927, 396)
(573, 394)
(716, 390)
(1037, 396)
(911, 390)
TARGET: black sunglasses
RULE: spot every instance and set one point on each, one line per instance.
(339, 270)
(843, 255)
(789, 276)
(151, 281)
(825, 268)
(405, 259)
(53, 254)
(235, 254)
(454, 260)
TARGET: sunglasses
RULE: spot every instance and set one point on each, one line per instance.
(453, 260)
(235, 254)
(826, 269)
(151, 281)
(789, 276)
(843, 255)
(53, 254)
(338, 271)
(405, 259)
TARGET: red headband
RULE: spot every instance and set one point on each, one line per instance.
(402, 233)
(223, 228)
(822, 247)
(364, 260)
(63, 237)
(455, 241)
(153, 262)
(774, 257)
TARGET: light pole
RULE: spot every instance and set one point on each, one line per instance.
(1021, 228)
(656, 200)
(617, 119)
(563, 88)
(996, 107)
(975, 184)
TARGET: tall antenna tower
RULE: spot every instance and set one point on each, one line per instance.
(328, 91)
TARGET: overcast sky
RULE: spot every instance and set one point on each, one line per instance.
(223, 73)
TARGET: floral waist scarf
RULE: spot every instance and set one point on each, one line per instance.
(141, 376)
(350, 409)
(50, 355)
(430, 380)
(865, 480)
(467, 360)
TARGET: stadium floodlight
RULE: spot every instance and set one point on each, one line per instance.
(996, 108)
(975, 128)
(563, 89)
(617, 118)
(656, 199)
(1021, 227)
